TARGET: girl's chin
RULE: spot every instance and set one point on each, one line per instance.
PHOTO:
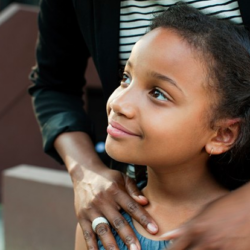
(111, 152)
(117, 156)
(121, 154)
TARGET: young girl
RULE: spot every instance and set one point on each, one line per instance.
(183, 110)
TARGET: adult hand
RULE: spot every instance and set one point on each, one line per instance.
(224, 224)
(102, 192)
(103, 195)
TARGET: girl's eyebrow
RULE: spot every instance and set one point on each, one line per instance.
(164, 78)
(158, 76)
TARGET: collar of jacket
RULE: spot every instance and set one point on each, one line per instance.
(245, 11)
(94, 16)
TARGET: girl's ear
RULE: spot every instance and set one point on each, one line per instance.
(225, 134)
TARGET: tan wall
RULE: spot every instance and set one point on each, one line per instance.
(38, 209)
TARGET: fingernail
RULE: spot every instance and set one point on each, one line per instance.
(133, 247)
(151, 227)
(169, 234)
(141, 197)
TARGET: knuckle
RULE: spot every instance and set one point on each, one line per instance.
(131, 186)
(80, 214)
(119, 223)
(144, 220)
(102, 229)
(98, 200)
(101, 198)
(114, 189)
(129, 239)
(110, 246)
(87, 235)
(132, 207)
(92, 248)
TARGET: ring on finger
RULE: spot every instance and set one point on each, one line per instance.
(97, 221)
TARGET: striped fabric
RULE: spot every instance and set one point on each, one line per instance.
(136, 15)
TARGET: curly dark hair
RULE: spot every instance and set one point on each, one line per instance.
(225, 46)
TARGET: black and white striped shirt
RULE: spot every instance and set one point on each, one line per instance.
(136, 15)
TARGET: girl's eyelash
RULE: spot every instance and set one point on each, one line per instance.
(155, 92)
(124, 78)
(159, 94)
(125, 74)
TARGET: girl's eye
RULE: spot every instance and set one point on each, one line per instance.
(159, 95)
(125, 79)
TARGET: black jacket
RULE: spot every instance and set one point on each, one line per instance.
(70, 31)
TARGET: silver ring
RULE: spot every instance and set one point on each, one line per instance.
(97, 221)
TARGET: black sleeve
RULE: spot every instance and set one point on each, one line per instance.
(58, 77)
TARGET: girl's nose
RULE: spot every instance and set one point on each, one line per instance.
(124, 104)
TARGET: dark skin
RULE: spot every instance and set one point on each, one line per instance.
(223, 224)
(105, 196)
(211, 229)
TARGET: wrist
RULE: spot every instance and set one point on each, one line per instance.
(78, 153)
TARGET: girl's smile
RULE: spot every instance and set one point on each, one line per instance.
(116, 130)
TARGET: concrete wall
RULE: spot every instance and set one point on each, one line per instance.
(38, 209)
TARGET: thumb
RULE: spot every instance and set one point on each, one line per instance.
(134, 192)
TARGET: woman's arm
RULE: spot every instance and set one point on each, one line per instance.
(58, 77)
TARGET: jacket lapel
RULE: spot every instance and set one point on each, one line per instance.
(245, 11)
(107, 14)
(99, 22)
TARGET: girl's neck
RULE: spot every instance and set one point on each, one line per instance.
(182, 186)
(178, 195)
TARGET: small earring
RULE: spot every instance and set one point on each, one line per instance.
(211, 152)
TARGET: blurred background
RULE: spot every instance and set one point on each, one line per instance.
(5, 3)
(22, 161)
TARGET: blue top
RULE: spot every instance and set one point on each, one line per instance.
(146, 244)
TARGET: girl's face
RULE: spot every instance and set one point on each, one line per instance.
(159, 114)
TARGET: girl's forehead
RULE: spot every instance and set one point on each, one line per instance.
(164, 52)
(166, 46)
(162, 40)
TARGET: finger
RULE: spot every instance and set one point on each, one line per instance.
(172, 234)
(123, 229)
(105, 235)
(88, 234)
(181, 243)
(137, 212)
(134, 192)
(142, 200)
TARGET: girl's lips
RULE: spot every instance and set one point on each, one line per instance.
(117, 130)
